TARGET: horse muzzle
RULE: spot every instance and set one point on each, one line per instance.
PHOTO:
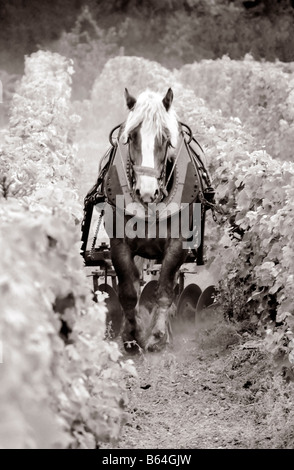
(147, 189)
(146, 184)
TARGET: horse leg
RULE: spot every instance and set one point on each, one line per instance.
(158, 334)
(128, 292)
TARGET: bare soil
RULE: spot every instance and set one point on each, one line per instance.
(215, 388)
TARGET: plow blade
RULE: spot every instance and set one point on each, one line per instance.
(204, 308)
(148, 295)
(114, 314)
(187, 302)
(206, 299)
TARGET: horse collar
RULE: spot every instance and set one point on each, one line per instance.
(179, 185)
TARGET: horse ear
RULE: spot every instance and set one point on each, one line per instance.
(168, 99)
(131, 101)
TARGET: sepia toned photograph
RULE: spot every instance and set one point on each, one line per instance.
(146, 227)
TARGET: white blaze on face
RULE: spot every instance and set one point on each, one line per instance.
(148, 184)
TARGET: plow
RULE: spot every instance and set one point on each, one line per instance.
(189, 299)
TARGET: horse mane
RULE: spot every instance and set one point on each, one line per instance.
(151, 113)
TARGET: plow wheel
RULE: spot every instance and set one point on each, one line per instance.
(114, 314)
(148, 296)
(187, 302)
(205, 302)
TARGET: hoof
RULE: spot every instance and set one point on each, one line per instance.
(132, 347)
(157, 341)
(130, 342)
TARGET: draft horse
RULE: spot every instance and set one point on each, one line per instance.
(151, 166)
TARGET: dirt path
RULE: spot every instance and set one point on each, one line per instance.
(214, 389)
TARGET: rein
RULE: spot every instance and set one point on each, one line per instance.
(174, 165)
(123, 165)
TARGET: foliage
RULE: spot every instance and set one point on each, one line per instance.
(8, 84)
(170, 31)
(89, 47)
(231, 32)
(36, 22)
(57, 390)
(260, 94)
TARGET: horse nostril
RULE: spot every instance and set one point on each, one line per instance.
(156, 193)
(137, 192)
(158, 334)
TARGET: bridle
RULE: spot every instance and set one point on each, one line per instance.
(160, 175)
(132, 171)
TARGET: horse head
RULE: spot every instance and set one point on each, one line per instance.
(150, 131)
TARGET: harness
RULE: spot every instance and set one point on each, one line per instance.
(185, 181)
